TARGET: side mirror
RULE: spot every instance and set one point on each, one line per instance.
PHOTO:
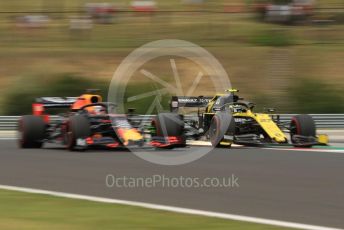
(251, 105)
(270, 110)
(218, 108)
(131, 111)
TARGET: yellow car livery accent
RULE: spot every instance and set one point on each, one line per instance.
(130, 135)
(212, 102)
(225, 143)
(232, 90)
(267, 124)
(323, 139)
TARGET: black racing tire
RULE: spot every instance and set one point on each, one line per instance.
(303, 125)
(220, 125)
(31, 131)
(78, 127)
(214, 131)
(168, 125)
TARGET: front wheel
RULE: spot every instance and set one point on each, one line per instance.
(304, 126)
(78, 130)
(168, 130)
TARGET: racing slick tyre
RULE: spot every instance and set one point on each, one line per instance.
(221, 124)
(31, 131)
(169, 125)
(302, 125)
(78, 128)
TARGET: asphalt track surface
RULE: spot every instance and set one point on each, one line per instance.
(297, 186)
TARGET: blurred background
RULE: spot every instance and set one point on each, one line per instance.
(287, 54)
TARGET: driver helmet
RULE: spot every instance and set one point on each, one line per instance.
(96, 110)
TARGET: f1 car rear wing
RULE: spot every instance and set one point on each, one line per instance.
(192, 102)
(56, 102)
(43, 103)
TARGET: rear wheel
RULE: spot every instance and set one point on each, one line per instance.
(31, 131)
(220, 125)
(214, 130)
(302, 125)
(78, 129)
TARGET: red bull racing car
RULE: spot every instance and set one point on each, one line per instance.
(89, 122)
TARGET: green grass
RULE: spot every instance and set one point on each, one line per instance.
(142, 105)
(19, 98)
(243, 45)
(273, 38)
(31, 211)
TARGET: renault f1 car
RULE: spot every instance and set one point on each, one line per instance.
(89, 122)
(226, 118)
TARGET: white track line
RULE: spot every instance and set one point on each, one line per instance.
(206, 143)
(171, 209)
(308, 150)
